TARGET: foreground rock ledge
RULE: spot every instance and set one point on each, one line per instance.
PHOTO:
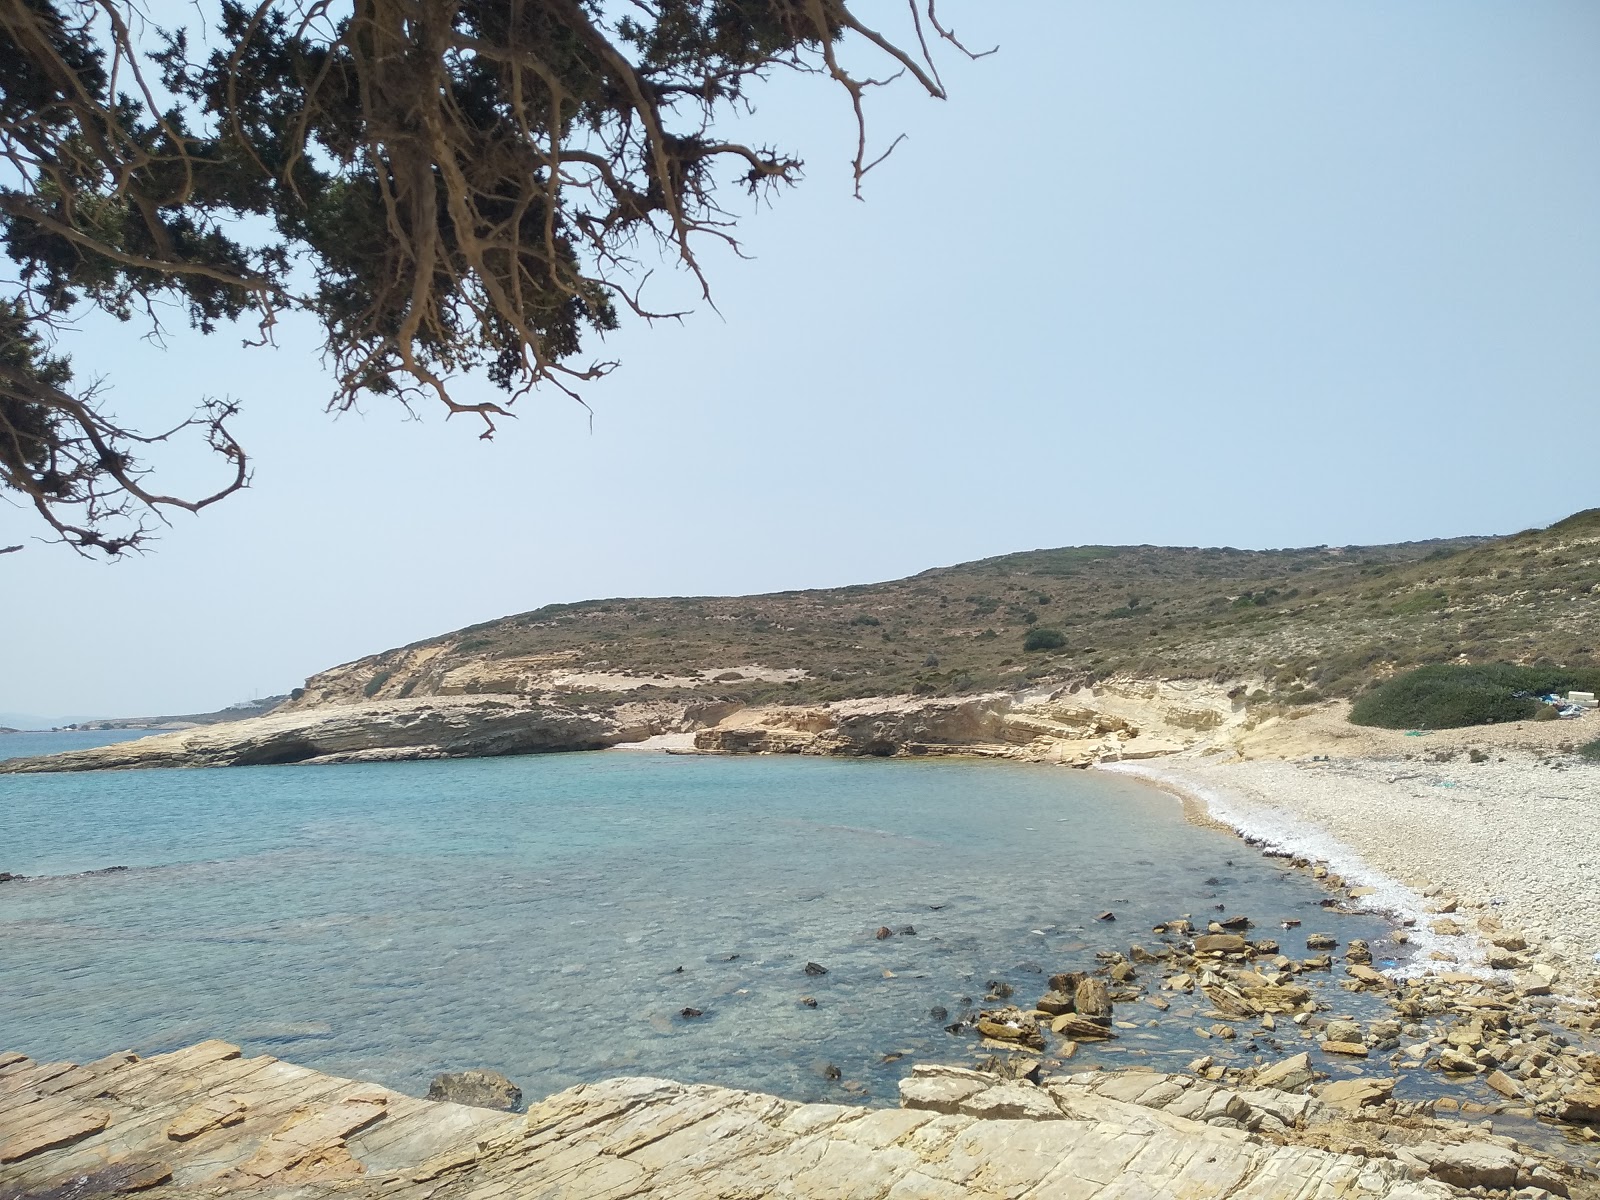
(205, 1120)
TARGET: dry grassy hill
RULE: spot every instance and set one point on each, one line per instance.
(1321, 621)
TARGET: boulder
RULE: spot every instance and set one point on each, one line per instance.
(1055, 1003)
(1476, 1164)
(1321, 941)
(1220, 943)
(1090, 1000)
(1291, 1075)
(1504, 1084)
(1077, 1028)
(1011, 1025)
(1353, 1094)
(1581, 1104)
(1342, 1031)
(478, 1088)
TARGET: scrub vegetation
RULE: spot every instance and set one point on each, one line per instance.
(1307, 624)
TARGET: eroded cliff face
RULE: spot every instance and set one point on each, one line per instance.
(1117, 720)
(1113, 721)
(374, 731)
(455, 669)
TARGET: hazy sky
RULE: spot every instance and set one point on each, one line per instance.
(1257, 274)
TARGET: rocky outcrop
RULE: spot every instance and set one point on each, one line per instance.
(1110, 722)
(879, 727)
(477, 1087)
(396, 729)
(207, 1122)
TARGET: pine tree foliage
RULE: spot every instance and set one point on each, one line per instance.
(444, 186)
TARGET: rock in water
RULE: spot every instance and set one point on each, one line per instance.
(478, 1088)
(816, 969)
(1291, 1075)
(1055, 1003)
(1091, 1001)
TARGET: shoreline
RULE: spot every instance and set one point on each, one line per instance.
(1337, 814)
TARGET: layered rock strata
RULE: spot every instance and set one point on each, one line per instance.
(396, 729)
(206, 1121)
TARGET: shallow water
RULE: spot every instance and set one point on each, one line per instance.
(390, 921)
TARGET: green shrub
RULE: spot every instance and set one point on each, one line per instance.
(1447, 696)
(376, 683)
(1591, 751)
(1044, 639)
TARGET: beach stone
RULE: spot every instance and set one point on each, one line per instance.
(1504, 1084)
(883, 932)
(815, 969)
(1291, 1075)
(1357, 951)
(1367, 977)
(1055, 1003)
(1010, 1025)
(1220, 943)
(1581, 1105)
(1091, 1000)
(483, 1089)
(1454, 1062)
(1342, 1031)
(1353, 1094)
(1067, 982)
(1080, 1029)
(1351, 1049)
(1321, 941)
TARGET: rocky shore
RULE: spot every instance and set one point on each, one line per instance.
(1071, 726)
(207, 1121)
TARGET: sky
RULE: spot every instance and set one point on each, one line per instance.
(1243, 273)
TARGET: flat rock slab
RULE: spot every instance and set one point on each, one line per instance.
(207, 1122)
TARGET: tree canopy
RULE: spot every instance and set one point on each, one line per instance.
(442, 185)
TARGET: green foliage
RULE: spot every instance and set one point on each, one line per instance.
(1590, 750)
(865, 619)
(1450, 696)
(1332, 639)
(1044, 639)
(375, 684)
(443, 187)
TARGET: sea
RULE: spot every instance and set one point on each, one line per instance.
(567, 918)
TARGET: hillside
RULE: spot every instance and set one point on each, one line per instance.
(1303, 623)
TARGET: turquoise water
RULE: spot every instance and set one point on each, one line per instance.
(390, 921)
(21, 745)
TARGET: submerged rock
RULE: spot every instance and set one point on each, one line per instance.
(478, 1088)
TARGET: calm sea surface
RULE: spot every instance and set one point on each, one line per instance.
(550, 917)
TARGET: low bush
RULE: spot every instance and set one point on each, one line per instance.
(1044, 639)
(1448, 696)
(1591, 751)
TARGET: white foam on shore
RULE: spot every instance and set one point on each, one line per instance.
(1280, 832)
